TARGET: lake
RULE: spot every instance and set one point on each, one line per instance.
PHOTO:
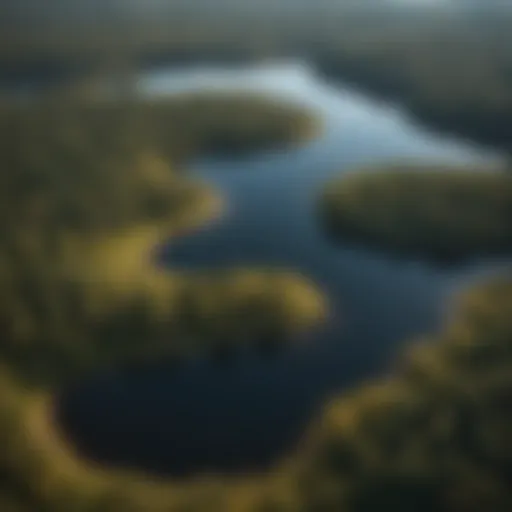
(245, 413)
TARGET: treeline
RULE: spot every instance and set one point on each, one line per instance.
(80, 175)
(436, 436)
(88, 189)
(453, 73)
(450, 68)
(445, 214)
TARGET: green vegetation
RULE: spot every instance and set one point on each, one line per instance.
(85, 198)
(442, 213)
(79, 291)
(41, 472)
(434, 437)
(451, 70)
(177, 127)
(88, 190)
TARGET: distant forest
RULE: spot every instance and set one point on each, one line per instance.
(450, 66)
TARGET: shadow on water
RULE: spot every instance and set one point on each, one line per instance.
(242, 412)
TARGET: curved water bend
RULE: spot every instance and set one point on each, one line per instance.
(204, 416)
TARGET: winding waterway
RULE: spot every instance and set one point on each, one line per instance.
(246, 413)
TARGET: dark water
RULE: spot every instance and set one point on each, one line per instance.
(243, 414)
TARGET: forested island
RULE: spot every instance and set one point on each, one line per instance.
(441, 213)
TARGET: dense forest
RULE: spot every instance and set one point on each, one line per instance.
(441, 213)
(450, 67)
(87, 190)
(90, 187)
(454, 74)
(435, 436)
